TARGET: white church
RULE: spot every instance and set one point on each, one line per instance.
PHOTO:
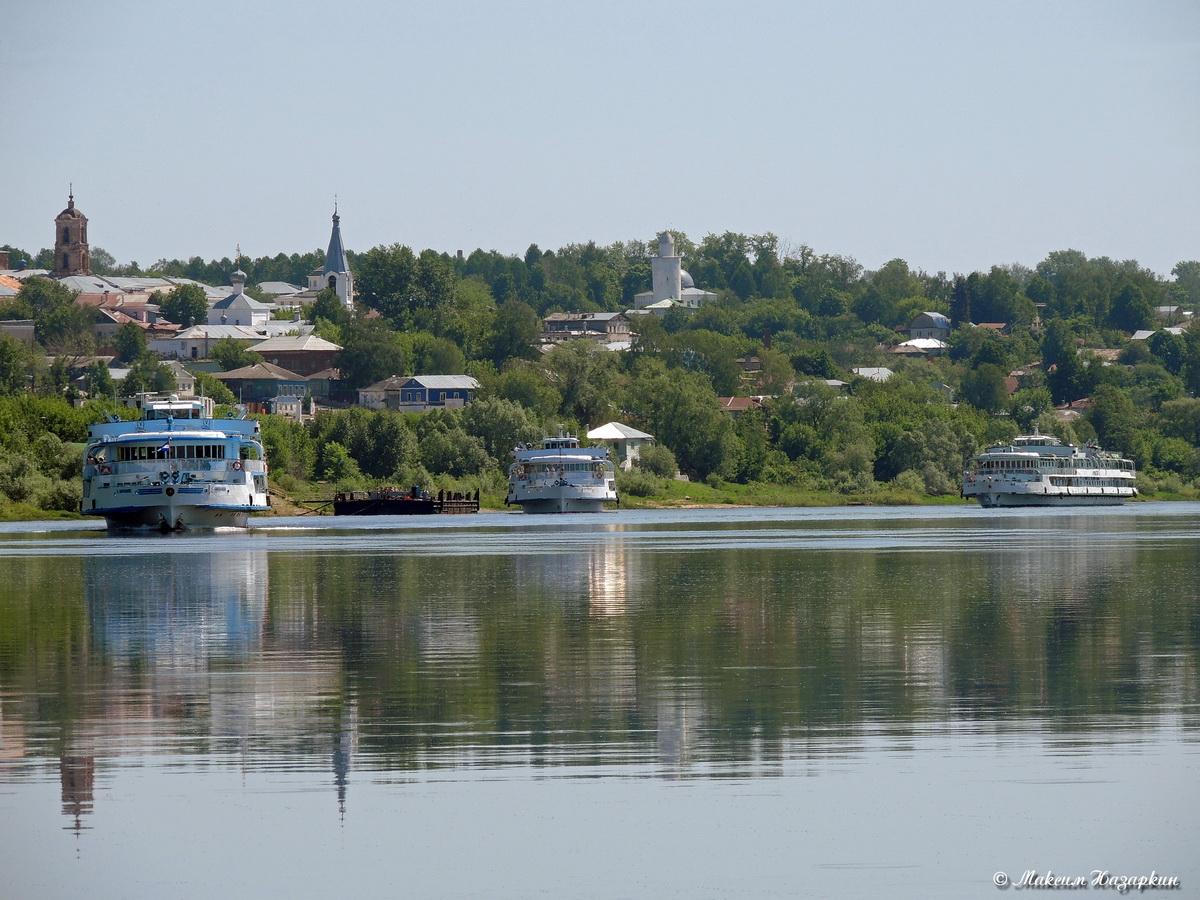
(671, 286)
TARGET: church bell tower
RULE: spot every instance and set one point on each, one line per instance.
(70, 241)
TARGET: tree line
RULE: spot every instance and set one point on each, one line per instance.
(806, 318)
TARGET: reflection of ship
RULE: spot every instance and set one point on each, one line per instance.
(561, 476)
(187, 649)
(177, 467)
(176, 606)
(1039, 470)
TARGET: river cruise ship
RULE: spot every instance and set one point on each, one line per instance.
(1040, 470)
(561, 476)
(175, 468)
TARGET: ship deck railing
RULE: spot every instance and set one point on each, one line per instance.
(132, 470)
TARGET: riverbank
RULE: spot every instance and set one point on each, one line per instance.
(668, 494)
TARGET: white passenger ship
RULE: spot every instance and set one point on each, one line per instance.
(1039, 470)
(561, 476)
(175, 468)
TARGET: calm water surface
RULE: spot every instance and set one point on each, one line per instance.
(699, 703)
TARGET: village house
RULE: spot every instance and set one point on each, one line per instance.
(262, 383)
(933, 325)
(738, 406)
(418, 393)
(303, 354)
(596, 326)
(623, 441)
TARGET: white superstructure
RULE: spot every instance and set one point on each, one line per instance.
(561, 476)
(1039, 470)
(175, 468)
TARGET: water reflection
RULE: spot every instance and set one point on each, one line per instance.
(682, 647)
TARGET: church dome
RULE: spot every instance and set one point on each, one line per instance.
(70, 213)
(685, 280)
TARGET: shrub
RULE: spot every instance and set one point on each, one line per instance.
(910, 480)
(637, 483)
(657, 460)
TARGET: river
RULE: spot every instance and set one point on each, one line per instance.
(853, 702)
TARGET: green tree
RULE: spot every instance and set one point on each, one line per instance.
(681, 411)
(43, 295)
(451, 451)
(230, 354)
(514, 332)
(147, 374)
(211, 386)
(328, 306)
(129, 341)
(101, 261)
(500, 424)
(657, 460)
(1118, 424)
(371, 353)
(1131, 311)
(960, 303)
(437, 356)
(337, 465)
(984, 388)
(16, 365)
(67, 331)
(1187, 281)
(584, 374)
(98, 382)
(385, 280)
(1170, 349)
(185, 305)
(528, 386)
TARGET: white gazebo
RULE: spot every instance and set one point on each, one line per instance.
(623, 440)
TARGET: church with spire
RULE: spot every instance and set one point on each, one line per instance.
(336, 271)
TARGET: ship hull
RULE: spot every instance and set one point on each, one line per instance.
(561, 501)
(167, 517)
(1004, 500)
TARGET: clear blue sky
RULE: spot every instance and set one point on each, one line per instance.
(956, 135)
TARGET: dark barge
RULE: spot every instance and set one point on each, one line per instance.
(395, 502)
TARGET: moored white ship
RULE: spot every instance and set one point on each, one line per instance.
(175, 468)
(1040, 470)
(561, 476)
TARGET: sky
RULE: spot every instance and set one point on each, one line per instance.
(954, 135)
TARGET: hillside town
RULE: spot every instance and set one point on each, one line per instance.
(768, 367)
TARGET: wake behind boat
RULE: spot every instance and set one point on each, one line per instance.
(175, 468)
(1039, 470)
(561, 476)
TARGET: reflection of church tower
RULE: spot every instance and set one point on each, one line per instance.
(336, 271)
(70, 242)
(78, 776)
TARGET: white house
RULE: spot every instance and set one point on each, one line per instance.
(624, 441)
(929, 325)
